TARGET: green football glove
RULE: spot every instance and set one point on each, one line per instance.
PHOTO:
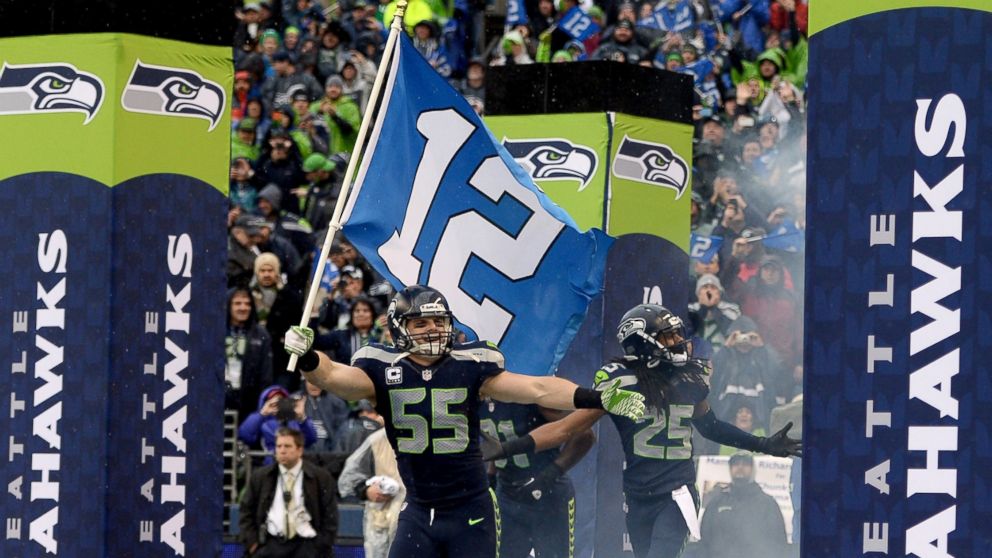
(298, 340)
(623, 402)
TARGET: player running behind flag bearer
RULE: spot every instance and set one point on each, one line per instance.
(535, 496)
(659, 478)
(429, 390)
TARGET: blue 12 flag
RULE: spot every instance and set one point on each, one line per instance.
(439, 201)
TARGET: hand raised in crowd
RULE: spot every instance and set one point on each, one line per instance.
(789, 5)
(233, 215)
(270, 408)
(743, 93)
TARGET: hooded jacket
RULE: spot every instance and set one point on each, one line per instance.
(260, 428)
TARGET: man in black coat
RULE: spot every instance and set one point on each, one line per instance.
(289, 509)
(741, 521)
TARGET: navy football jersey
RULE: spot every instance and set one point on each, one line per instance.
(507, 421)
(658, 448)
(432, 418)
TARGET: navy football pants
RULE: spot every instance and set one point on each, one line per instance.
(464, 531)
(546, 525)
(656, 526)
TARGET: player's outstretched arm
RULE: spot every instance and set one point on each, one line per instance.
(548, 435)
(558, 393)
(347, 382)
(778, 444)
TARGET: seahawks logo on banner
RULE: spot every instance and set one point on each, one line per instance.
(554, 159)
(44, 88)
(651, 163)
(173, 92)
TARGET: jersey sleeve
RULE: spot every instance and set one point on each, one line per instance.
(602, 376)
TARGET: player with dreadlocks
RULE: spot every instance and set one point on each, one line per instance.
(659, 478)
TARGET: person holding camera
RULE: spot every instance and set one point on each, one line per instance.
(276, 409)
(746, 370)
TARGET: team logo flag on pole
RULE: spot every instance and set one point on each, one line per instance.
(439, 201)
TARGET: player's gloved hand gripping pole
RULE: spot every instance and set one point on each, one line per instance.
(335, 225)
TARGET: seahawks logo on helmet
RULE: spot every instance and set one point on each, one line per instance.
(554, 159)
(629, 327)
(43, 88)
(173, 92)
(651, 163)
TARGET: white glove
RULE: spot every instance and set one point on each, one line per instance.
(298, 340)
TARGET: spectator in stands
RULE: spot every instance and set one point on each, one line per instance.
(285, 223)
(336, 312)
(289, 509)
(741, 520)
(340, 113)
(241, 252)
(279, 89)
(361, 330)
(746, 370)
(711, 314)
(248, 354)
(244, 186)
(281, 164)
(371, 474)
(744, 419)
(328, 413)
(290, 262)
(621, 47)
(474, 84)
(362, 421)
(332, 52)
(243, 140)
(318, 198)
(775, 309)
(276, 409)
(283, 305)
(357, 76)
(513, 51)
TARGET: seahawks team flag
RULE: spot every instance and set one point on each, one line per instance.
(439, 201)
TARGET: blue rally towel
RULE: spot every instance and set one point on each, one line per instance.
(439, 201)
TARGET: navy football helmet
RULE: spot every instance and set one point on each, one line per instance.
(419, 301)
(651, 334)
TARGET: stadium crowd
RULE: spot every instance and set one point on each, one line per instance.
(304, 71)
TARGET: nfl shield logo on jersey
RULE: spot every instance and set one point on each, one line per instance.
(394, 375)
(427, 374)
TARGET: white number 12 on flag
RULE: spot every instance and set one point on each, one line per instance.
(469, 233)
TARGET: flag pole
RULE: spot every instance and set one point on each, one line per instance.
(395, 28)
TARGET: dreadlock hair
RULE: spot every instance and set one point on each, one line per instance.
(657, 383)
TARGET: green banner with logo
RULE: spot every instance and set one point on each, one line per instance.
(114, 179)
(565, 154)
(650, 178)
(114, 106)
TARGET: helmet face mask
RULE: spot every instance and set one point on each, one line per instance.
(420, 321)
(652, 335)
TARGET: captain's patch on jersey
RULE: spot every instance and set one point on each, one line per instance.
(394, 375)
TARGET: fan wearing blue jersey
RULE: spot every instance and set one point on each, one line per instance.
(535, 496)
(428, 390)
(659, 477)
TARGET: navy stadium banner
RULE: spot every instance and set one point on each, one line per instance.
(898, 314)
(114, 182)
